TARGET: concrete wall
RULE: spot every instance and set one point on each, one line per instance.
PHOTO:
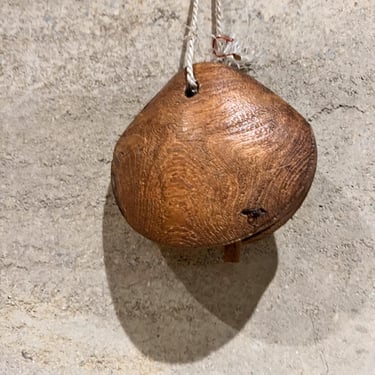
(81, 293)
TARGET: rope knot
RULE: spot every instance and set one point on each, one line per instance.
(224, 46)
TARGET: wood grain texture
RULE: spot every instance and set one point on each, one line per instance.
(233, 162)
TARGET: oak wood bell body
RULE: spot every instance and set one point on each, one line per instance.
(230, 163)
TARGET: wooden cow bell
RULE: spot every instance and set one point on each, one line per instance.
(232, 162)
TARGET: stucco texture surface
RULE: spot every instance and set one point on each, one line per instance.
(82, 293)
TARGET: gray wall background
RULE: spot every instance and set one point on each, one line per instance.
(81, 293)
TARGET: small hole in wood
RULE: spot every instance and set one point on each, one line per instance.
(191, 91)
(253, 212)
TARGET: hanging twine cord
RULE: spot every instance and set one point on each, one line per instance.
(227, 49)
(191, 84)
(218, 17)
(224, 48)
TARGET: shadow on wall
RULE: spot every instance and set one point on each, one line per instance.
(177, 306)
